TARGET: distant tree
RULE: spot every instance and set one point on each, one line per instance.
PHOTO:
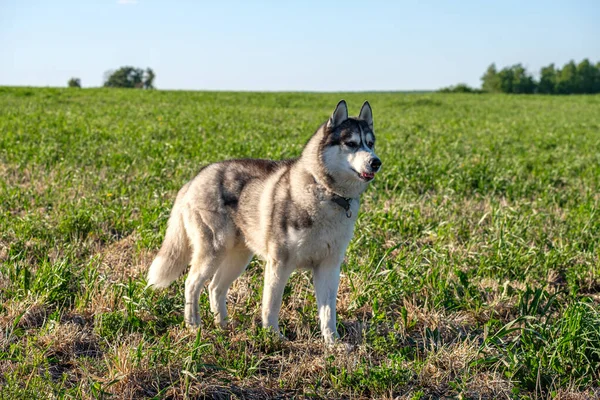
(506, 79)
(460, 88)
(586, 76)
(130, 77)
(547, 83)
(490, 81)
(149, 79)
(572, 78)
(74, 82)
(515, 79)
(566, 80)
(596, 85)
(523, 82)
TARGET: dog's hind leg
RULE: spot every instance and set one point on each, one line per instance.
(232, 266)
(207, 255)
(200, 272)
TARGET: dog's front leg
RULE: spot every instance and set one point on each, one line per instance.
(276, 276)
(326, 278)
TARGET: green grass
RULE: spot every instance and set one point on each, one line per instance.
(473, 273)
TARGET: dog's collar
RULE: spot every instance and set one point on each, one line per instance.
(343, 202)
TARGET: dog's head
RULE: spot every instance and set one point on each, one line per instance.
(348, 147)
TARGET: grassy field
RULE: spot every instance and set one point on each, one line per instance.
(474, 271)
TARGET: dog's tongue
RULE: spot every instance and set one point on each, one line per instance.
(368, 175)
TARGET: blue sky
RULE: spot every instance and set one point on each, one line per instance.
(277, 45)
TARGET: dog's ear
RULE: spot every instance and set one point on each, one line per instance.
(366, 114)
(339, 115)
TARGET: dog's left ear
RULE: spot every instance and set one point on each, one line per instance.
(366, 114)
(339, 115)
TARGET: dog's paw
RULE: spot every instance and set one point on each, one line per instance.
(275, 333)
(339, 347)
(221, 322)
(192, 321)
(330, 338)
(192, 327)
(282, 338)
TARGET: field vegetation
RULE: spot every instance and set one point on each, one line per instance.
(474, 271)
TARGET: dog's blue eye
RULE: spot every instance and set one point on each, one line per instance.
(351, 144)
(370, 144)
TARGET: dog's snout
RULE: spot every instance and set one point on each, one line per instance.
(375, 164)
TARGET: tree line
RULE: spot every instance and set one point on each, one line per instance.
(572, 78)
(124, 77)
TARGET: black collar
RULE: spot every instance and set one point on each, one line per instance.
(343, 202)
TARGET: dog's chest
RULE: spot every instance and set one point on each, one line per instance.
(326, 238)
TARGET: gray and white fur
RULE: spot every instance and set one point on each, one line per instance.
(297, 213)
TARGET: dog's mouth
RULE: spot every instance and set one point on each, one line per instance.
(366, 176)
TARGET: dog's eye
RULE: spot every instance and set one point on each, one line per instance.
(351, 144)
(370, 145)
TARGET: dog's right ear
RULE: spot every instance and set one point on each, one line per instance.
(339, 115)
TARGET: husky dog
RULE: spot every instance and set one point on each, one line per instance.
(297, 213)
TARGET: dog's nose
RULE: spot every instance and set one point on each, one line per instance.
(375, 164)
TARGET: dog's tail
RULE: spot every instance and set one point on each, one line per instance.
(174, 255)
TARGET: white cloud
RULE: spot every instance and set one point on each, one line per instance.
(127, 2)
